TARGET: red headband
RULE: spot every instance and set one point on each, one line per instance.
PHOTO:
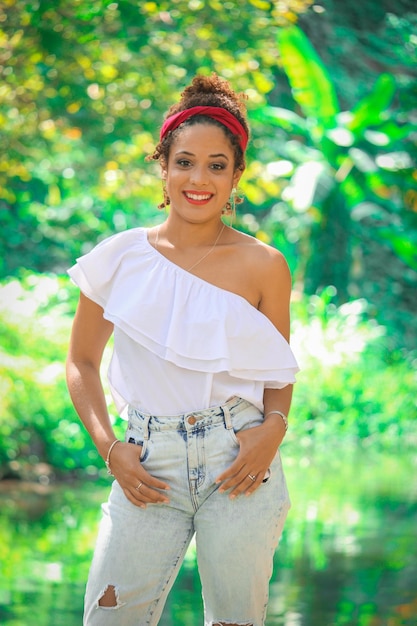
(217, 113)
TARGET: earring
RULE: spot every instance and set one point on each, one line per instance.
(167, 199)
(230, 206)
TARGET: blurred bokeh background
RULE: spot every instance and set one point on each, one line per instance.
(331, 181)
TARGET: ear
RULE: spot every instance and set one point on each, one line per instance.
(236, 177)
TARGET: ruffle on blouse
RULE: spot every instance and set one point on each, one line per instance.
(178, 316)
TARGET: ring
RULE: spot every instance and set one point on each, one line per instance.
(253, 478)
(139, 486)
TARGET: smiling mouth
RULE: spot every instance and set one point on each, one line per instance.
(198, 197)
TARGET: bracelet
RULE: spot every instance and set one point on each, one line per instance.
(107, 461)
(282, 416)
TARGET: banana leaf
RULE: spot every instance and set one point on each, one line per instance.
(285, 119)
(371, 110)
(311, 85)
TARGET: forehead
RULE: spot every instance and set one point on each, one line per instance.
(202, 138)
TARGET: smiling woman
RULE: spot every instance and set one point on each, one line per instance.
(203, 372)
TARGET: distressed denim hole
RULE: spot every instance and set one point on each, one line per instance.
(109, 599)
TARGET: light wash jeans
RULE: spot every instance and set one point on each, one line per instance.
(139, 551)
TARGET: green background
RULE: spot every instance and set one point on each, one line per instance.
(331, 181)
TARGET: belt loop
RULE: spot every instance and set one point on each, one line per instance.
(145, 426)
(227, 417)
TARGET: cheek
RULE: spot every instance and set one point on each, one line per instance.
(172, 179)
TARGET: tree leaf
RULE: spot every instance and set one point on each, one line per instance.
(310, 83)
(285, 119)
(369, 112)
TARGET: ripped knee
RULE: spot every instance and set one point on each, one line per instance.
(109, 599)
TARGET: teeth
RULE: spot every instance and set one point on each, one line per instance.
(195, 196)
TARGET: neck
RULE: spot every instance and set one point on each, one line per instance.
(188, 234)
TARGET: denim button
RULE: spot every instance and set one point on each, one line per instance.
(192, 420)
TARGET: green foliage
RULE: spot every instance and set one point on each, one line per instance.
(350, 387)
(330, 181)
(37, 422)
(84, 88)
(311, 85)
(347, 181)
(344, 159)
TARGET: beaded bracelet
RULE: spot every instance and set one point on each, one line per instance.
(282, 416)
(107, 461)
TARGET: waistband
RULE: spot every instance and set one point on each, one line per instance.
(194, 419)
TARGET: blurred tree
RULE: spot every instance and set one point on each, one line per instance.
(353, 172)
(346, 161)
(84, 86)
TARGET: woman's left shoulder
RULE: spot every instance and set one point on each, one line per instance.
(263, 259)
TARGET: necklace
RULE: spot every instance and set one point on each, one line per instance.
(188, 269)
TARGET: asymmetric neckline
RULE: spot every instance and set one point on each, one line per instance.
(194, 277)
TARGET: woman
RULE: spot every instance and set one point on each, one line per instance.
(202, 367)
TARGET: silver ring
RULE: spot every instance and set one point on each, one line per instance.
(253, 478)
(139, 486)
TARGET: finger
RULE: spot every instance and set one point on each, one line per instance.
(232, 471)
(146, 494)
(155, 483)
(234, 480)
(247, 486)
(141, 495)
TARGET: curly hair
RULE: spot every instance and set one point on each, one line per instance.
(207, 91)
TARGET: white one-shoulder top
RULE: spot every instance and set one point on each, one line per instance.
(181, 344)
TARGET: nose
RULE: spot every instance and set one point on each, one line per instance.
(199, 176)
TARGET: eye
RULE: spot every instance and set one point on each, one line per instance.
(183, 163)
(218, 166)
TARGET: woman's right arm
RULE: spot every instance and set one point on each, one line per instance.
(90, 334)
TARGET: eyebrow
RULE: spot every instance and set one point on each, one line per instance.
(211, 156)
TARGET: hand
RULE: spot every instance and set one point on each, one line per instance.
(138, 485)
(258, 447)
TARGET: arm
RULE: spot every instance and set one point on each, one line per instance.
(90, 334)
(259, 445)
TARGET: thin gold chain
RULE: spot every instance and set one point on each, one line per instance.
(204, 256)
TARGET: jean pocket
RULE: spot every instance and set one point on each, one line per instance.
(243, 420)
(142, 444)
(232, 435)
(134, 434)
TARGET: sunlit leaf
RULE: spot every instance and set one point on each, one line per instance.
(403, 244)
(288, 120)
(370, 111)
(311, 86)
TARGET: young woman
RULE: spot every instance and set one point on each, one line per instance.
(201, 368)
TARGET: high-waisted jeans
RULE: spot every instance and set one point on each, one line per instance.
(139, 551)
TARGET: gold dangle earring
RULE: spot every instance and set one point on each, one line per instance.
(230, 207)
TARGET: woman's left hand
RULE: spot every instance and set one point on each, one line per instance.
(258, 447)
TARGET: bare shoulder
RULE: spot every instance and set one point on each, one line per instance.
(261, 259)
(267, 277)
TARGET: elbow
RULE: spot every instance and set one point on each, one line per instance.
(79, 370)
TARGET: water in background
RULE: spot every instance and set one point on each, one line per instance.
(348, 556)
